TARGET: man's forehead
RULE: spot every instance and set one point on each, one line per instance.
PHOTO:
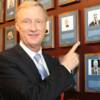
(25, 7)
(32, 11)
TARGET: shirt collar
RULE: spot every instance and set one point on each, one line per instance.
(28, 51)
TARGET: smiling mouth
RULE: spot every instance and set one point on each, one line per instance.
(34, 35)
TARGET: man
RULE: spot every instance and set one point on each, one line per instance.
(20, 77)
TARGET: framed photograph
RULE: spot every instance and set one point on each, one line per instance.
(92, 72)
(75, 74)
(68, 28)
(1, 11)
(92, 24)
(48, 4)
(49, 34)
(10, 37)
(11, 6)
(63, 2)
(1, 39)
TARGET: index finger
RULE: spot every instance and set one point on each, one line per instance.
(75, 46)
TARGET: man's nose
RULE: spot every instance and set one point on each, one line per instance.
(33, 27)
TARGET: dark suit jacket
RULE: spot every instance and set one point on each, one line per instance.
(20, 79)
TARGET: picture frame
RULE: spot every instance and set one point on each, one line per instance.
(1, 11)
(92, 72)
(48, 41)
(68, 28)
(11, 6)
(1, 39)
(64, 2)
(48, 4)
(10, 37)
(92, 24)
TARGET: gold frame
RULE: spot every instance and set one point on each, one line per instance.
(10, 36)
(10, 9)
(49, 39)
(69, 31)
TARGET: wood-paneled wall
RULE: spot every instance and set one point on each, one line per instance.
(82, 50)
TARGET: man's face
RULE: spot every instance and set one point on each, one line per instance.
(31, 24)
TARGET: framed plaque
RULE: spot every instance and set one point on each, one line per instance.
(10, 37)
(49, 34)
(92, 24)
(11, 6)
(48, 4)
(1, 39)
(63, 2)
(1, 11)
(68, 28)
(92, 72)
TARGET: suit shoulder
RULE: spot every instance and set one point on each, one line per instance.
(9, 54)
(48, 56)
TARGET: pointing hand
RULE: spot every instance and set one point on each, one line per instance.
(71, 59)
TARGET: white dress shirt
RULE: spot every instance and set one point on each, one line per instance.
(32, 54)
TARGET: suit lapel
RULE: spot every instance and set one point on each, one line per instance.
(27, 64)
(48, 62)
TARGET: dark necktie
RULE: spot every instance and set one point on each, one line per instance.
(40, 66)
